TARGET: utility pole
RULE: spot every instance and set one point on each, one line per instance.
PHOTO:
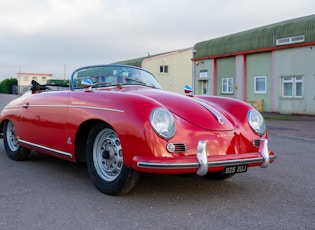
(65, 72)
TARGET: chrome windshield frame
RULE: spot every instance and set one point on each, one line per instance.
(113, 75)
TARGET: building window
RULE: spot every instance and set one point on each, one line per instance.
(260, 84)
(227, 85)
(163, 69)
(203, 85)
(290, 40)
(292, 86)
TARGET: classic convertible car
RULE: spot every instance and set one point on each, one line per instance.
(118, 120)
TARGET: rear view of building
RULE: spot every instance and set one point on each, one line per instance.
(25, 80)
(172, 69)
(274, 65)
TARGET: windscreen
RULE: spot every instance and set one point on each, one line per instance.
(113, 75)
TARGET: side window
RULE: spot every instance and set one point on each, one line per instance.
(299, 86)
(260, 83)
(163, 69)
(227, 85)
(292, 86)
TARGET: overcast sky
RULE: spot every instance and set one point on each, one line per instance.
(57, 36)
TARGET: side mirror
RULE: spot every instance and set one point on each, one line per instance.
(188, 91)
(86, 83)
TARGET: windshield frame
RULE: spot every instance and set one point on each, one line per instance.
(113, 75)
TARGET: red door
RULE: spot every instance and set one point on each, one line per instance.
(44, 120)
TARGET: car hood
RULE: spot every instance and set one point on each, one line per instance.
(194, 111)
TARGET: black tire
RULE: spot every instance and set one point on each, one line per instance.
(218, 176)
(12, 148)
(105, 162)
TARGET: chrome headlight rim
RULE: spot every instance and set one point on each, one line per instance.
(256, 122)
(163, 123)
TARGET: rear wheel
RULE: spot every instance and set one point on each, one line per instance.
(105, 162)
(12, 148)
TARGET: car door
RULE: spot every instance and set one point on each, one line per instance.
(43, 117)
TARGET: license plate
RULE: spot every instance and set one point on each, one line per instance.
(235, 169)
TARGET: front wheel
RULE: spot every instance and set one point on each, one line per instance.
(12, 148)
(105, 162)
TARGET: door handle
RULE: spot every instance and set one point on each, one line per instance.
(26, 105)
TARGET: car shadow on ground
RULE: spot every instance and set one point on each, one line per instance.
(159, 186)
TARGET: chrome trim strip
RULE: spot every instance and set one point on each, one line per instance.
(97, 108)
(76, 106)
(196, 165)
(54, 106)
(167, 166)
(235, 162)
(212, 110)
(46, 148)
(11, 107)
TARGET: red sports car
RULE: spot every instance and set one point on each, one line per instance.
(118, 120)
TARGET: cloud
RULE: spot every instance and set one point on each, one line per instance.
(44, 36)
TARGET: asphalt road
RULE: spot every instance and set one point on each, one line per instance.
(48, 193)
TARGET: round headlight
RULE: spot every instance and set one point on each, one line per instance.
(256, 122)
(163, 123)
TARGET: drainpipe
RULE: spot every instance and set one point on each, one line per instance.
(194, 51)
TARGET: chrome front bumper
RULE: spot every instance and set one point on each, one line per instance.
(202, 164)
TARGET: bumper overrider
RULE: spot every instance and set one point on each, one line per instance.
(201, 164)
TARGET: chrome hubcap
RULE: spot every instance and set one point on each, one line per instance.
(11, 137)
(107, 155)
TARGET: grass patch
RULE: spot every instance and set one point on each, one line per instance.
(278, 118)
